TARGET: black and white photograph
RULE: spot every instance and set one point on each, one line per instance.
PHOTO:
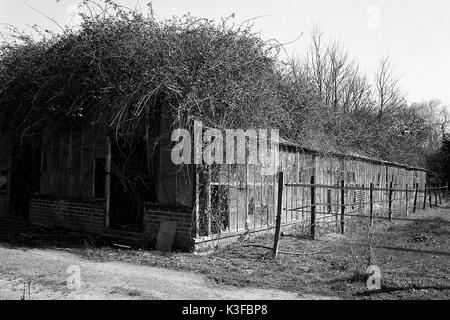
(227, 157)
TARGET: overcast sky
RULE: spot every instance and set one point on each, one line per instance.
(415, 34)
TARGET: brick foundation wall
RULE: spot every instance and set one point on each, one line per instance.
(154, 214)
(2, 204)
(72, 214)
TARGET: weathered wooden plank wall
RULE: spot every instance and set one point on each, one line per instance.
(251, 196)
(68, 162)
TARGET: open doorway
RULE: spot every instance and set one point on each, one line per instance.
(24, 176)
(133, 182)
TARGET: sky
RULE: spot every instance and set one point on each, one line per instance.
(414, 34)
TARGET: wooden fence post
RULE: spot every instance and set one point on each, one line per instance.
(440, 196)
(416, 190)
(361, 200)
(390, 201)
(436, 197)
(313, 207)
(278, 221)
(342, 206)
(371, 204)
(425, 196)
(430, 200)
(447, 193)
(329, 201)
(406, 195)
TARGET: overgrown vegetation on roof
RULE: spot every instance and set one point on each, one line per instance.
(120, 66)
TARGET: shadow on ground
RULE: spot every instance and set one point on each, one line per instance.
(19, 233)
(399, 289)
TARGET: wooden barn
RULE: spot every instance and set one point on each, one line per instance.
(86, 120)
(77, 180)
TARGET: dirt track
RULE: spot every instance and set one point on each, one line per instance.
(333, 266)
(45, 271)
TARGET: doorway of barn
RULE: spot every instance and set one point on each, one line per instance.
(24, 176)
(133, 182)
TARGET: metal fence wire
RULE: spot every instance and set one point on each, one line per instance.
(357, 202)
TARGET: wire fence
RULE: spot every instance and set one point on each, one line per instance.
(408, 199)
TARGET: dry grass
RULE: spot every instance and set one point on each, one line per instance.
(335, 266)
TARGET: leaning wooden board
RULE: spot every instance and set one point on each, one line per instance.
(166, 235)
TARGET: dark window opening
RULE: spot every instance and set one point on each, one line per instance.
(24, 176)
(3, 180)
(44, 162)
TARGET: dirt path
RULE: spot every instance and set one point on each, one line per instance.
(420, 270)
(42, 274)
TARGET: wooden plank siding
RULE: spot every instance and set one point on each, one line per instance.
(251, 196)
(68, 165)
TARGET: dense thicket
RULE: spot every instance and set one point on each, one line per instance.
(438, 164)
(120, 66)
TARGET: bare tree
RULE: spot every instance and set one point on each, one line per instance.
(357, 93)
(335, 76)
(388, 95)
(316, 61)
(339, 70)
(444, 121)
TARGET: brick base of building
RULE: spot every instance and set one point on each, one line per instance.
(155, 214)
(72, 214)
